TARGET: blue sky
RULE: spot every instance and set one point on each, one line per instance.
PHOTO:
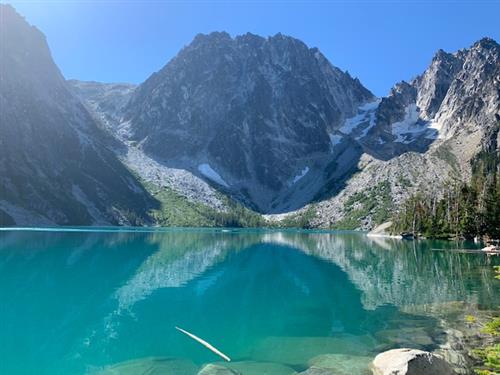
(380, 42)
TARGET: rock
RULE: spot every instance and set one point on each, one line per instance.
(383, 230)
(296, 351)
(151, 366)
(212, 369)
(409, 362)
(260, 368)
(317, 371)
(340, 364)
(406, 336)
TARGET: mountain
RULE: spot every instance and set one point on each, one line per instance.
(254, 116)
(200, 115)
(55, 163)
(272, 123)
(425, 132)
(265, 123)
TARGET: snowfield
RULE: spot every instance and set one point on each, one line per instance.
(412, 127)
(365, 115)
(298, 177)
(335, 139)
(207, 171)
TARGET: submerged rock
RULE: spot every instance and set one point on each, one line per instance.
(340, 364)
(406, 336)
(260, 368)
(296, 351)
(317, 371)
(151, 366)
(409, 362)
(212, 369)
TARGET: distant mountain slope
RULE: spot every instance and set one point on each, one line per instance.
(107, 100)
(55, 167)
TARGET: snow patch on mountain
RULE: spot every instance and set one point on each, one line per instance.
(335, 139)
(352, 123)
(436, 127)
(412, 126)
(370, 106)
(298, 177)
(207, 171)
(371, 124)
(365, 115)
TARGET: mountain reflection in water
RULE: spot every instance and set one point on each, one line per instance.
(75, 302)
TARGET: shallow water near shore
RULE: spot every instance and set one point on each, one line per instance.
(91, 301)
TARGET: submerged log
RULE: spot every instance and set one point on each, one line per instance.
(205, 344)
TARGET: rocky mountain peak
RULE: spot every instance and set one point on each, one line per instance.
(252, 108)
(403, 89)
(15, 24)
(25, 48)
(441, 55)
(433, 85)
(250, 39)
(473, 96)
(454, 87)
(486, 43)
(213, 37)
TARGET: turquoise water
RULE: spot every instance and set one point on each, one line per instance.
(76, 302)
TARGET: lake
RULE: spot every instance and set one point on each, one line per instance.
(107, 301)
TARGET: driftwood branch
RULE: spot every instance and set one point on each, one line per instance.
(205, 344)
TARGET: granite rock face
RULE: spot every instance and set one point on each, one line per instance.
(258, 111)
(473, 98)
(433, 85)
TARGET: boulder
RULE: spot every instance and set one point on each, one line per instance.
(151, 366)
(260, 368)
(317, 371)
(340, 364)
(212, 369)
(295, 351)
(409, 362)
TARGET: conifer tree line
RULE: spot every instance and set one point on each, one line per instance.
(462, 210)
